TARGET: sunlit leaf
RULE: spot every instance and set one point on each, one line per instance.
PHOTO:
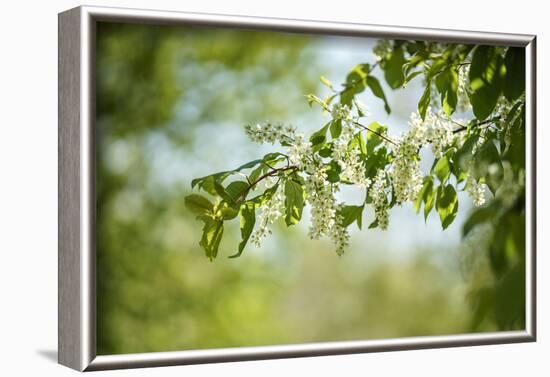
(248, 219)
(446, 204)
(424, 101)
(351, 214)
(212, 233)
(294, 202)
(393, 68)
(198, 204)
(447, 85)
(486, 73)
(377, 90)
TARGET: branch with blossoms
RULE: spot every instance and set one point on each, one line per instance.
(347, 151)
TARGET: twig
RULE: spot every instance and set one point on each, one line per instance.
(271, 173)
(376, 133)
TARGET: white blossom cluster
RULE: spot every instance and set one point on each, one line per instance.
(405, 170)
(476, 191)
(439, 132)
(339, 235)
(271, 211)
(342, 112)
(353, 169)
(268, 132)
(435, 130)
(323, 203)
(379, 198)
(382, 48)
(299, 152)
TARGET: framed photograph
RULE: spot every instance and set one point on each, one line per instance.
(237, 188)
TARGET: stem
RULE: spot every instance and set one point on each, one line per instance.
(464, 128)
(271, 173)
(376, 133)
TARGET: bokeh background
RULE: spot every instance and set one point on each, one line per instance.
(171, 103)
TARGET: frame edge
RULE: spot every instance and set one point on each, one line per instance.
(76, 333)
(69, 276)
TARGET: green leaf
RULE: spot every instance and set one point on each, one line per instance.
(333, 172)
(236, 189)
(393, 68)
(463, 156)
(262, 198)
(221, 192)
(248, 165)
(255, 174)
(442, 169)
(429, 201)
(427, 187)
(212, 233)
(198, 204)
(373, 140)
(376, 160)
(358, 141)
(376, 89)
(207, 183)
(479, 216)
(374, 224)
(355, 83)
(326, 151)
(351, 214)
(320, 136)
(424, 101)
(312, 98)
(335, 128)
(488, 165)
(294, 202)
(446, 204)
(486, 72)
(326, 82)
(228, 212)
(248, 219)
(447, 85)
(411, 76)
(514, 85)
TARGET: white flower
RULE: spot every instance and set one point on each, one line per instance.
(299, 151)
(439, 132)
(435, 130)
(381, 49)
(271, 211)
(405, 170)
(320, 196)
(379, 198)
(268, 132)
(353, 170)
(476, 191)
(339, 235)
(340, 111)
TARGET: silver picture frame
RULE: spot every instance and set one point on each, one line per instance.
(77, 263)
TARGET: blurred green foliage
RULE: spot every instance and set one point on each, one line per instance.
(155, 289)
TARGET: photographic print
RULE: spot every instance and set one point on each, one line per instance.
(264, 187)
(261, 188)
